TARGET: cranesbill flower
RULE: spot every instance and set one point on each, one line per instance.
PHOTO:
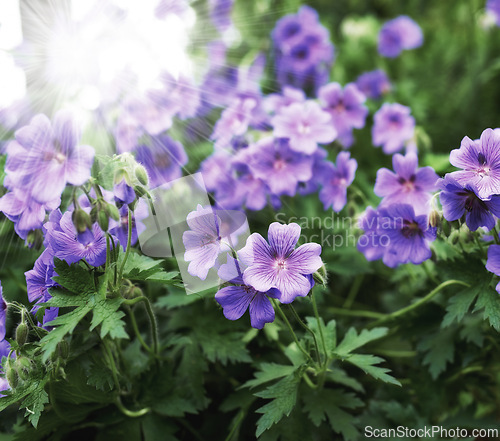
(274, 102)
(373, 84)
(458, 199)
(345, 107)
(480, 163)
(163, 159)
(38, 282)
(407, 235)
(335, 179)
(238, 297)
(4, 352)
(493, 7)
(3, 314)
(61, 240)
(393, 126)
(408, 184)
(398, 34)
(493, 262)
(53, 152)
(220, 13)
(371, 243)
(278, 166)
(121, 229)
(305, 125)
(203, 242)
(124, 193)
(278, 264)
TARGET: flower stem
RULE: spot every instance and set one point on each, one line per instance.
(356, 313)
(129, 242)
(137, 333)
(283, 317)
(308, 329)
(151, 315)
(320, 325)
(353, 291)
(418, 303)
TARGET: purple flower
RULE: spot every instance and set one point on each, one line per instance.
(493, 7)
(374, 83)
(121, 229)
(277, 264)
(406, 236)
(281, 168)
(480, 163)
(38, 282)
(220, 13)
(3, 315)
(124, 193)
(345, 107)
(183, 95)
(305, 125)
(458, 199)
(236, 299)
(493, 262)
(4, 352)
(163, 159)
(371, 243)
(274, 102)
(61, 240)
(203, 242)
(398, 34)
(335, 179)
(408, 185)
(393, 126)
(53, 152)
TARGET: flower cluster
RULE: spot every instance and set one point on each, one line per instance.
(303, 51)
(399, 34)
(263, 269)
(398, 231)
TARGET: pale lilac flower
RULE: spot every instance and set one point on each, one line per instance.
(346, 108)
(335, 179)
(374, 84)
(399, 34)
(238, 297)
(277, 264)
(480, 163)
(408, 184)
(393, 126)
(305, 125)
(274, 102)
(493, 262)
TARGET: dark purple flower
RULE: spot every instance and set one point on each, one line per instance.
(61, 240)
(220, 13)
(121, 229)
(393, 126)
(163, 159)
(281, 168)
(52, 152)
(3, 315)
(38, 282)
(345, 107)
(480, 163)
(399, 34)
(305, 125)
(335, 179)
(374, 84)
(4, 352)
(458, 199)
(203, 242)
(408, 184)
(238, 297)
(371, 243)
(277, 264)
(493, 262)
(124, 193)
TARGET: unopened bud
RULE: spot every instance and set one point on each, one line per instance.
(103, 220)
(140, 191)
(81, 220)
(112, 212)
(23, 367)
(321, 276)
(12, 377)
(121, 175)
(434, 219)
(22, 333)
(141, 174)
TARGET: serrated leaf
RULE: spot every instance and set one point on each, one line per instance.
(105, 313)
(268, 372)
(439, 348)
(327, 404)
(489, 299)
(100, 377)
(73, 277)
(366, 363)
(284, 397)
(459, 304)
(353, 341)
(174, 406)
(329, 333)
(223, 347)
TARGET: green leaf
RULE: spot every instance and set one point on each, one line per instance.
(139, 267)
(327, 404)
(223, 347)
(460, 303)
(174, 406)
(101, 377)
(439, 348)
(268, 372)
(353, 341)
(74, 278)
(329, 333)
(367, 362)
(156, 428)
(489, 299)
(284, 397)
(3, 158)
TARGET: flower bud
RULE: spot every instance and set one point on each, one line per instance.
(141, 174)
(120, 175)
(445, 225)
(112, 212)
(81, 220)
(434, 219)
(103, 220)
(12, 377)
(140, 191)
(22, 333)
(23, 368)
(454, 237)
(321, 276)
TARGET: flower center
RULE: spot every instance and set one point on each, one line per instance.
(279, 164)
(410, 229)
(304, 129)
(280, 264)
